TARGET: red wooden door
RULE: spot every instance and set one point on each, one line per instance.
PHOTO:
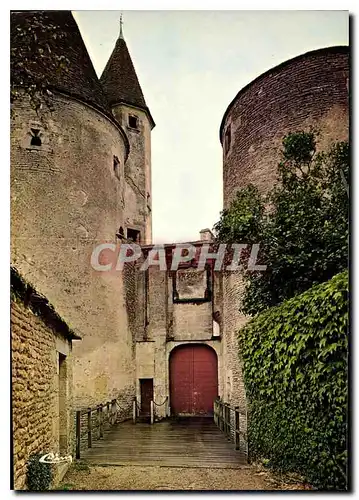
(193, 380)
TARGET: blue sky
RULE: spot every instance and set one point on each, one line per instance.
(190, 65)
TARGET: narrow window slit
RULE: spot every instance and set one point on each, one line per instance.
(35, 139)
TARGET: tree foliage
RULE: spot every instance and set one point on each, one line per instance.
(295, 372)
(34, 46)
(301, 225)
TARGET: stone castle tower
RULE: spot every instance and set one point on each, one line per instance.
(122, 89)
(80, 176)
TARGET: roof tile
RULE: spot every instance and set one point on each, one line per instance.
(119, 79)
(40, 40)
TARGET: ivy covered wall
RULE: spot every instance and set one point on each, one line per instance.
(295, 360)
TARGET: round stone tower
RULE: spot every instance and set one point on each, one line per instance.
(310, 90)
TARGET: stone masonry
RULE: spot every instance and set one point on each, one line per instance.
(309, 91)
(42, 404)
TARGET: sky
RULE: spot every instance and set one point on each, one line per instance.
(190, 65)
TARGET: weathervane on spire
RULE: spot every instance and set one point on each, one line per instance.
(121, 24)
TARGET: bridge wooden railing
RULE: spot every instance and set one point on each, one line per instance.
(91, 423)
(233, 423)
(136, 409)
(155, 405)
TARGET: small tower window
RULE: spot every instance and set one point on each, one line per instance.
(227, 140)
(133, 121)
(35, 139)
(133, 235)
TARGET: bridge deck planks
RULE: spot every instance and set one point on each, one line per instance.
(183, 443)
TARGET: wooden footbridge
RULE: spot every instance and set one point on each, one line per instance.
(174, 442)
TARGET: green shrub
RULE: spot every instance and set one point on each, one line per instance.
(39, 474)
(301, 224)
(295, 373)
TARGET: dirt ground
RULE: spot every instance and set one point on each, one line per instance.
(90, 478)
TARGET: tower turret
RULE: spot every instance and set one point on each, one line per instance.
(124, 94)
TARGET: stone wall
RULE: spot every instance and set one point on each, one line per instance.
(192, 321)
(233, 320)
(310, 90)
(158, 299)
(37, 388)
(191, 284)
(67, 196)
(172, 323)
(134, 287)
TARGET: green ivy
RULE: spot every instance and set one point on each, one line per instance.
(34, 57)
(39, 474)
(295, 360)
(301, 225)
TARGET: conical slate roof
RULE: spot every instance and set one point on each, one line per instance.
(119, 80)
(47, 46)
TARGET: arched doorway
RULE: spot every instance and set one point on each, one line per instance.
(193, 379)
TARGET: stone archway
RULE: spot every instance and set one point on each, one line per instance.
(193, 370)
